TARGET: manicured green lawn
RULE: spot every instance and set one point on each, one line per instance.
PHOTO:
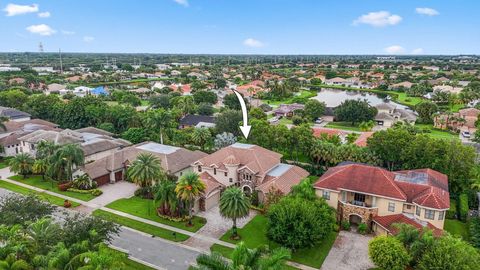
(25, 191)
(37, 181)
(132, 265)
(145, 208)
(254, 234)
(303, 94)
(343, 126)
(437, 133)
(140, 226)
(456, 227)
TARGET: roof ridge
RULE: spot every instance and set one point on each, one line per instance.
(392, 181)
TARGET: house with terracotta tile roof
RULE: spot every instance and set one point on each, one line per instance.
(250, 167)
(380, 198)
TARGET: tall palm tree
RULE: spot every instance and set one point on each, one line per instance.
(233, 205)
(159, 120)
(145, 170)
(185, 104)
(40, 166)
(189, 187)
(244, 258)
(165, 196)
(21, 164)
(200, 136)
(65, 159)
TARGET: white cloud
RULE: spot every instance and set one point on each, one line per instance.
(45, 14)
(395, 49)
(427, 11)
(378, 19)
(88, 39)
(250, 42)
(182, 2)
(41, 29)
(14, 9)
(68, 33)
(417, 51)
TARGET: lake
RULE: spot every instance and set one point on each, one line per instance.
(334, 97)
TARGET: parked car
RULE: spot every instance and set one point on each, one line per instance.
(466, 134)
(319, 120)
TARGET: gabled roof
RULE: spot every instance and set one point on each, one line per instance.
(12, 113)
(283, 178)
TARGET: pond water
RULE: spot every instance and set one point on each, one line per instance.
(334, 97)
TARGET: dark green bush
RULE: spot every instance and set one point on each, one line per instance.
(452, 212)
(463, 207)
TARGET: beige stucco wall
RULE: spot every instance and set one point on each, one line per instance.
(378, 230)
(382, 204)
(333, 202)
(435, 222)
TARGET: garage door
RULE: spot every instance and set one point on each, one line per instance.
(212, 200)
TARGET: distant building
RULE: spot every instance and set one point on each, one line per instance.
(197, 121)
(14, 114)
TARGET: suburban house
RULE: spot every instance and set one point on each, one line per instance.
(405, 85)
(288, 110)
(379, 198)
(464, 120)
(14, 114)
(388, 114)
(9, 138)
(113, 167)
(330, 132)
(250, 167)
(197, 121)
(94, 142)
(447, 88)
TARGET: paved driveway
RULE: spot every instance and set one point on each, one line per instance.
(113, 192)
(349, 252)
(216, 227)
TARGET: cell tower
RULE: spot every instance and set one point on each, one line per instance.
(40, 47)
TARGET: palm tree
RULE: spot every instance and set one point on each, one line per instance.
(104, 258)
(43, 234)
(65, 159)
(145, 170)
(46, 149)
(21, 164)
(159, 120)
(165, 196)
(244, 258)
(40, 166)
(188, 188)
(11, 263)
(200, 136)
(185, 104)
(234, 204)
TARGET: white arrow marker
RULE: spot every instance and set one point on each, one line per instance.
(245, 128)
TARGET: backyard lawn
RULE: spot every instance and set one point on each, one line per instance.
(457, 228)
(37, 181)
(437, 133)
(140, 226)
(25, 191)
(343, 126)
(145, 208)
(254, 234)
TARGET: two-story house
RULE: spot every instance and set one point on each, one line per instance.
(250, 167)
(380, 198)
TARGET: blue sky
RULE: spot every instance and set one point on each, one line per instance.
(243, 26)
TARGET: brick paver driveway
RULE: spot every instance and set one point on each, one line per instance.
(216, 227)
(349, 252)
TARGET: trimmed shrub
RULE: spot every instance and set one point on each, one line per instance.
(387, 252)
(362, 228)
(463, 206)
(346, 225)
(296, 223)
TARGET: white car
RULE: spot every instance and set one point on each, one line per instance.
(466, 134)
(319, 121)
